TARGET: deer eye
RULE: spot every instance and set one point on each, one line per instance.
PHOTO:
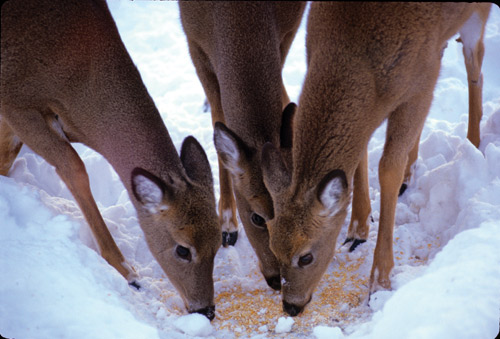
(183, 252)
(257, 220)
(305, 260)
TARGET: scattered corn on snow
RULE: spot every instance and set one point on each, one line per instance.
(447, 264)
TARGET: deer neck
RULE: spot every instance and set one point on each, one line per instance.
(123, 124)
(250, 82)
(334, 122)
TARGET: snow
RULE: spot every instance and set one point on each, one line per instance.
(284, 325)
(446, 239)
(194, 324)
(325, 332)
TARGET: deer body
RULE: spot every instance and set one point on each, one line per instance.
(367, 62)
(67, 77)
(238, 49)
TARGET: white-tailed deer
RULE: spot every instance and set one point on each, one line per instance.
(238, 49)
(67, 77)
(367, 62)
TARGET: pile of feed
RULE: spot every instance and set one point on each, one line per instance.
(245, 311)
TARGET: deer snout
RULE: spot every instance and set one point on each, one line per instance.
(208, 312)
(294, 309)
(291, 309)
(274, 282)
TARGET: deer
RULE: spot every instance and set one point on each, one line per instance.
(67, 77)
(238, 50)
(366, 63)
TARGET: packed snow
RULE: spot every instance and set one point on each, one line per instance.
(284, 325)
(446, 241)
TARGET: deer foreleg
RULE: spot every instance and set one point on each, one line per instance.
(403, 129)
(58, 152)
(361, 208)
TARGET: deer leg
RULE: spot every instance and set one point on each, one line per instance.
(471, 37)
(361, 208)
(10, 145)
(227, 208)
(404, 127)
(227, 204)
(412, 158)
(57, 151)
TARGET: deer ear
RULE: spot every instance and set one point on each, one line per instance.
(331, 190)
(286, 131)
(195, 162)
(152, 192)
(231, 149)
(274, 172)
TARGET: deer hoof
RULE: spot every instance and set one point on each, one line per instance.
(355, 244)
(402, 189)
(348, 240)
(135, 284)
(229, 238)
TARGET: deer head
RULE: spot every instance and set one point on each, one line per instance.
(182, 230)
(255, 205)
(302, 235)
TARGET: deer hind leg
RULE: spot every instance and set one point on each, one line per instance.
(403, 129)
(10, 145)
(361, 208)
(471, 36)
(45, 137)
(227, 203)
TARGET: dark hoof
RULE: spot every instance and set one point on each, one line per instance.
(208, 312)
(347, 241)
(292, 310)
(355, 244)
(402, 189)
(135, 284)
(229, 239)
(274, 282)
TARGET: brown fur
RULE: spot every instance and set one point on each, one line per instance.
(67, 77)
(367, 62)
(238, 49)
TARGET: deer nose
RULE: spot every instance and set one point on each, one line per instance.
(208, 312)
(291, 309)
(274, 282)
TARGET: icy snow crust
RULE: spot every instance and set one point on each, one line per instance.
(446, 240)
